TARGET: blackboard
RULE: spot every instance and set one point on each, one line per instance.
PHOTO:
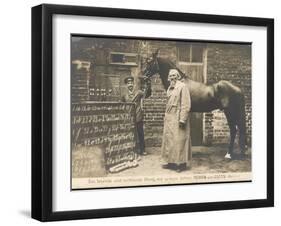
(110, 125)
(88, 162)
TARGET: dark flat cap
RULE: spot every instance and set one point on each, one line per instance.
(129, 79)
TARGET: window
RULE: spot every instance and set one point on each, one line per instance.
(184, 53)
(190, 53)
(129, 59)
(197, 53)
(117, 58)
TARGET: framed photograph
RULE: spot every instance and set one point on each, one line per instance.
(146, 112)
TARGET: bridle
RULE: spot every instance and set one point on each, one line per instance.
(152, 69)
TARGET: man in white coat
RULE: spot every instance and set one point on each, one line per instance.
(176, 143)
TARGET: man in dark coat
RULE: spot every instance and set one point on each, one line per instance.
(136, 96)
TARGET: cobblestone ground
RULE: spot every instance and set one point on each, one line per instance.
(204, 160)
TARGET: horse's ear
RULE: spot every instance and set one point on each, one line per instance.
(156, 53)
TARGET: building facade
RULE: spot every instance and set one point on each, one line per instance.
(100, 65)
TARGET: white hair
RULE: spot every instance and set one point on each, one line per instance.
(175, 72)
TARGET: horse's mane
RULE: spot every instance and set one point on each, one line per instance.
(173, 66)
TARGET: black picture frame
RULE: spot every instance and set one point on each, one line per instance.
(42, 108)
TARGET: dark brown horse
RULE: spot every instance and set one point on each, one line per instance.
(205, 98)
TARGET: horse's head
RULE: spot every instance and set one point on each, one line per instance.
(150, 66)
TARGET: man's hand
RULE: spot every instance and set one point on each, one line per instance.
(182, 125)
(140, 93)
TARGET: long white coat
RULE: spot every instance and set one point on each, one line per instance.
(176, 143)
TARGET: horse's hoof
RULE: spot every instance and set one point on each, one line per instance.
(227, 156)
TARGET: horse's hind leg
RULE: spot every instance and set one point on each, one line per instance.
(242, 140)
(242, 134)
(233, 130)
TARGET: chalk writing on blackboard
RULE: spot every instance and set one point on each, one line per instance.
(107, 124)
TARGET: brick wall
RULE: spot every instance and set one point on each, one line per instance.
(224, 62)
(232, 63)
(154, 108)
(97, 51)
(79, 81)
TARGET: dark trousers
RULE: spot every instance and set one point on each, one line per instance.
(140, 137)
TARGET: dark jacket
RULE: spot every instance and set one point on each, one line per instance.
(135, 97)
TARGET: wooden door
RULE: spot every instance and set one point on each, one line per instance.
(196, 73)
(191, 60)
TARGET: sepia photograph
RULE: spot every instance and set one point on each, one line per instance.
(151, 112)
(141, 112)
